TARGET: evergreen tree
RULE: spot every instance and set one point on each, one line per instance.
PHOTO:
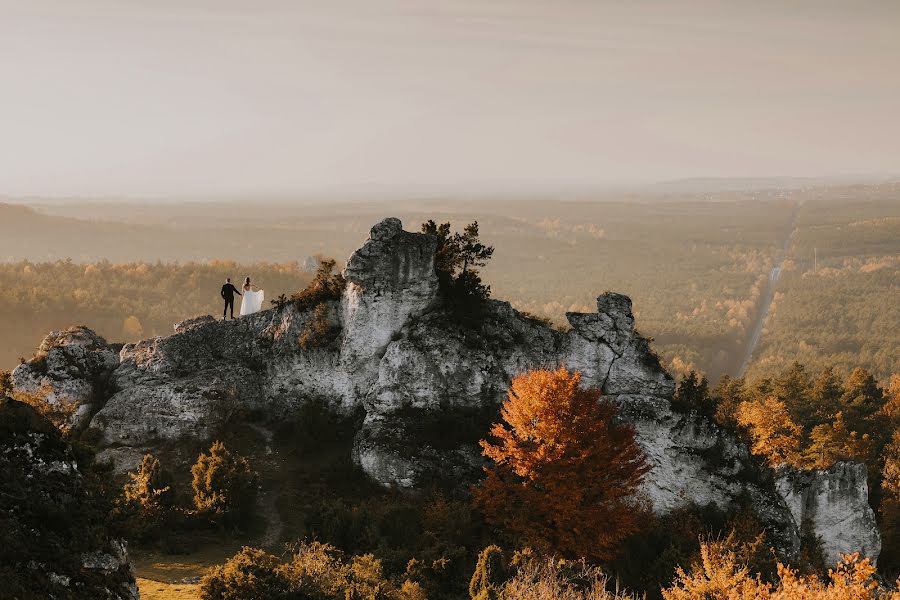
(457, 260)
(224, 483)
(792, 388)
(692, 394)
(862, 398)
(727, 395)
(825, 394)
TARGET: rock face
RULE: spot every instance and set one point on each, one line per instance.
(835, 505)
(403, 360)
(70, 371)
(53, 542)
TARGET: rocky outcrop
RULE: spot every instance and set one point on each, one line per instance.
(403, 361)
(834, 504)
(69, 371)
(53, 537)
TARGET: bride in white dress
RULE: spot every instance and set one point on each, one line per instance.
(251, 298)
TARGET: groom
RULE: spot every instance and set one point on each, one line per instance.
(228, 292)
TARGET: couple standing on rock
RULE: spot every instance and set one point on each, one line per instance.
(251, 299)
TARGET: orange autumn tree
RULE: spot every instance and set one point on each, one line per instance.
(775, 435)
(564, 474)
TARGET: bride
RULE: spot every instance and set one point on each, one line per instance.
(251, 298)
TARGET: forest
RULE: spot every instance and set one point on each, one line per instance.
(123, 302)
(696, 266)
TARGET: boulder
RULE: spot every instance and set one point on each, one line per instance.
(69, 371)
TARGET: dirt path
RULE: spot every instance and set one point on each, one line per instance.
(267, 500)
(766, 305)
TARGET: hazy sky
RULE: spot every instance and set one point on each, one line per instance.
(182, 97)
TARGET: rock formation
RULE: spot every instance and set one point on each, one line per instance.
(69, 371)
(401, 360)
(53, 538)
(834, 503)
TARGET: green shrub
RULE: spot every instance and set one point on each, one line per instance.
(326, 286)
(224, 483)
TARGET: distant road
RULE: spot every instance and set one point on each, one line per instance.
(763, 313)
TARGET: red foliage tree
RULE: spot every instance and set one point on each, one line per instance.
(564, 474)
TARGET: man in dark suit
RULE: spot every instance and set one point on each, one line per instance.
(228, 292)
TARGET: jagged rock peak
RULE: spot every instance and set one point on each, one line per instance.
(390, 279)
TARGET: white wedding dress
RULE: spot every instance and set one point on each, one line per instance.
(251, 302)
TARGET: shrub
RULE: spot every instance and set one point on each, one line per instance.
(564, 472)
(148, 497)
(326, 286)
(6, 385)
(224, 483)
(251, 574)
(318, 330)
(721, 574)
(314, 572)
(489, 575)
(547, 578)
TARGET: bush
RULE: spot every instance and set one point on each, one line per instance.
(250, 574)
(148, 497)
(547, 578)
(318, 330)
(224, 483)
(489, 575)
(315, 572)
(326, 286)
(720, 573)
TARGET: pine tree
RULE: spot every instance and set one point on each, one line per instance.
(224, 483)
(693, 395)
(862, 398)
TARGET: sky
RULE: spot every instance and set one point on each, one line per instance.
(328, 97)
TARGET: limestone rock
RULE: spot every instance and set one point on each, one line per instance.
(835, 504)
(415, 373)
(390, 280)
(69, 371)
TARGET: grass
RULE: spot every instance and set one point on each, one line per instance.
(160, 576)
(157, 590)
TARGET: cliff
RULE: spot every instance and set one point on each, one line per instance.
(401, 361)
